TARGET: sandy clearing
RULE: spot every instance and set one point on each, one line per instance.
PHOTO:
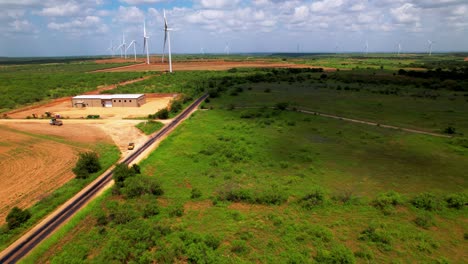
(65, 109)
(217, 65)
(466, 59)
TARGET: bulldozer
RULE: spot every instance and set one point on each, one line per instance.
(55, 122)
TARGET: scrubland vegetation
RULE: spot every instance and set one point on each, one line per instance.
(21, 85)
(252, 180)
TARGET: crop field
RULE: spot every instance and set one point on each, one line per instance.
(249, 179)
(22, 85)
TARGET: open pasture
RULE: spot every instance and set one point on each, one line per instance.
(271, 185)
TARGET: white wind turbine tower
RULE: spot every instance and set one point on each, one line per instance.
(111, 49)
(145, 43)
(227, 49)
(167, 37)
(367, 47)
(123, 47)
(399, 49)
(134, 49)
(430, 42)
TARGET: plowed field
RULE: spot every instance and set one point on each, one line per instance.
(33, 165)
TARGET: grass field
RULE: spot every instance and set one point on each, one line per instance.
(149, 127)
(276, 186)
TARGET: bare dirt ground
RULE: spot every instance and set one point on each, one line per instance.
(466, 59)
(198, 65)
(32, 167)
(65, 109)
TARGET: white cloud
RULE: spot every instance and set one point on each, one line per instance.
(137, 2)
(405, 14)
(80, 26)
(63, 9)
(21, 26)
(218, 3)
(129, 14)
(326, 6)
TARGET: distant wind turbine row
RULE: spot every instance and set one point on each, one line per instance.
(399, 48)
(123, 47)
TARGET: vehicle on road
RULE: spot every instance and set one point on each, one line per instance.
(55, 122)
(131, 146)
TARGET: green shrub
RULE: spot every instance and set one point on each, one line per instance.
(377, 234)
(338, 254)
(282, 106)
(212, 241)
(87, 163)
(162, 114)
(239, 247)
(426, 201)
(16, 217)
(139, 185)
(386, 201)
(176, 106)
(122, 214)
(313, 199)
(151, 209)
(196, 193)
(365, 253)
(176, 211)
(425, 220)
(449, 130)
(457, 200)
(121, 173)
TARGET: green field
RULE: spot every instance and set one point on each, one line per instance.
(21, 85)
(271, 185)
(149, 127)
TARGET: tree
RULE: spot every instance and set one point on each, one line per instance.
(16, 217)
(121, 173)
(88, 162)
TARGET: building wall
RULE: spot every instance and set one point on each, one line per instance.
(87, 102)
(122, 102)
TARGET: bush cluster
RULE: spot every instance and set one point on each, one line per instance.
(16, 217)
(313, 199)
(88, 163)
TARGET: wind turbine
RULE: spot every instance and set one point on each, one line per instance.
(399, 49)
(167, 37)
(145, 43)
(134, 48)
(111, 49)
(430, 42)
(123, 46)
(227, 49)
(367, 47)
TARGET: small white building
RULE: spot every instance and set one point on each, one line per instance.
(109, 100)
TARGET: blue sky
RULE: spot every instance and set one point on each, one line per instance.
(87, 27)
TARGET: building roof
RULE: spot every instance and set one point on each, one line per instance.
(109, 96)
